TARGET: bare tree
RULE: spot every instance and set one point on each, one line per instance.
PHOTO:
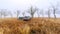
(23, 13)
(55, 8)
(48, 13)
(38, 13)
(32, 11)
(4, 12)
(18, 12)
(41, 12)
(10, 13)
(0, 14)
(54, 11)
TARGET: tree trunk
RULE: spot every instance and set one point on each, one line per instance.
(32, 16)
(54, 14)
(48, 14)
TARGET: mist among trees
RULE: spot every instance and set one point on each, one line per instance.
(32, 11)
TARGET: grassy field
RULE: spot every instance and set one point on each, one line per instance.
(34, 26)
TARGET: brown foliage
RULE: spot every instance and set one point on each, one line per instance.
(34, 26)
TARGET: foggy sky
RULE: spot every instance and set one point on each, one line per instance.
(23, 5)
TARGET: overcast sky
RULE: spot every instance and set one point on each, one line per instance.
(25, 4)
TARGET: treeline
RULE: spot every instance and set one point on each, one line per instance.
(32, 10)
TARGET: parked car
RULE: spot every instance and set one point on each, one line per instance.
(21, 18)
(27, 18)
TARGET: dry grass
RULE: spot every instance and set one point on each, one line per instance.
(34, 26)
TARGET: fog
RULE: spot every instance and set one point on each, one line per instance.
(23, 5)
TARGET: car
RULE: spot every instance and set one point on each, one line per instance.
(20, 18)
(26, 18)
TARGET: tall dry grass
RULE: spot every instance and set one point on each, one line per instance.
(34, 26)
